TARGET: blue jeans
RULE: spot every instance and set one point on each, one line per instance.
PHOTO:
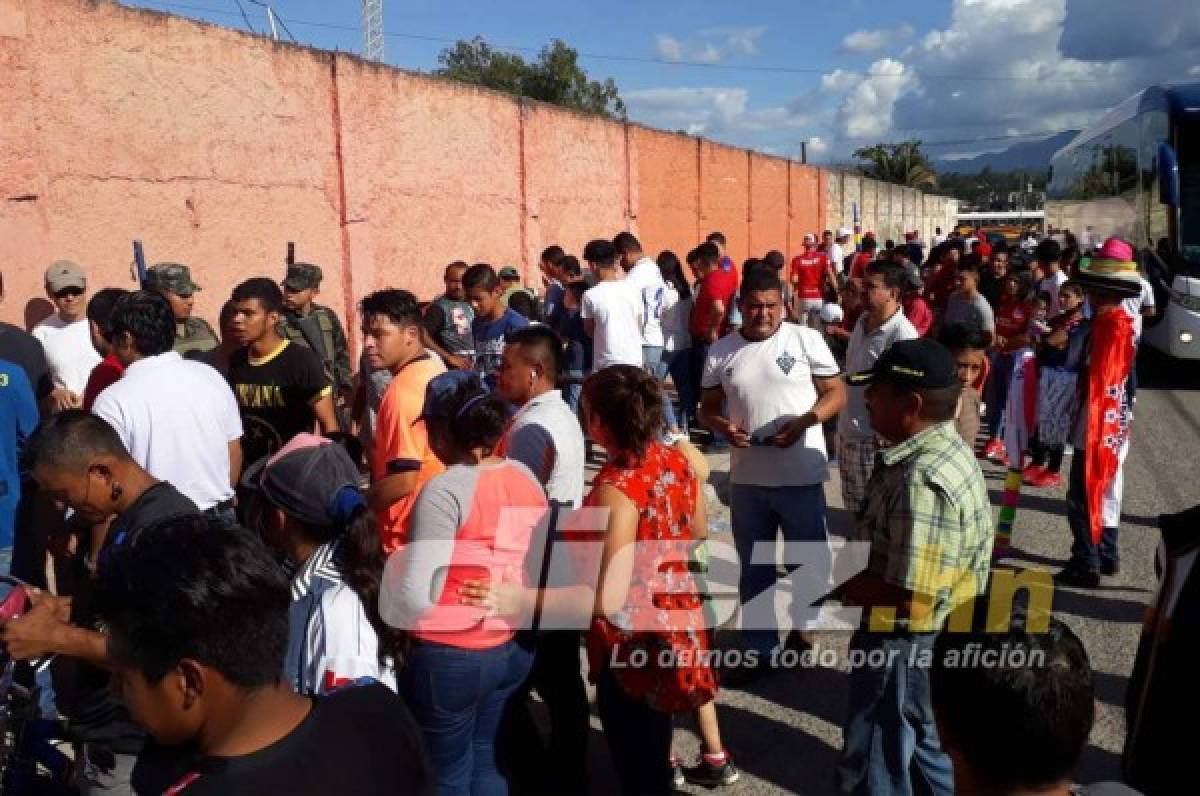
(652, 361)
(571, 393)
(1085, 553)
(758, 514)
(458, 697)
(891, 744)
(996, 391)
(679, 369)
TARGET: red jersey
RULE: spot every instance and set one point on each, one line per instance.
(858, 266)
(807, 275)
(1012, 319)
(941, 285)
(916, 309)
(719, 285)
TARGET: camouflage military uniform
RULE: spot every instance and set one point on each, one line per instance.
(322, 331)
(191, 334)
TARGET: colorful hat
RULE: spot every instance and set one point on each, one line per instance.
(1112, 268)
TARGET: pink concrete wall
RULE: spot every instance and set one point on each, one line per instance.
(577, 181)
(216, 148)
(725, 196)
(668, 210)
(768, 205)
(212, 147)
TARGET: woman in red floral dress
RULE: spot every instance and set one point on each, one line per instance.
(648, 645)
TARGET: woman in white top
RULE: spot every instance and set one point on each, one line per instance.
(676, 309)
(308, 506)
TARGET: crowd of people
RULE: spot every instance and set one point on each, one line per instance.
(269, 568)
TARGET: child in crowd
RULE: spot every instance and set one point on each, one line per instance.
(1012, 319)
(1056, 387)
(493, 319)
(968, 345)
(197, 643)
(838, 334)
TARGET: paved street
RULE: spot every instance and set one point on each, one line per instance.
(785, 731)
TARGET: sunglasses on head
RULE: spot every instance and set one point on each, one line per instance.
(67, 292)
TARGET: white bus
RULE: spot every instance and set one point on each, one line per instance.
(1136, 174)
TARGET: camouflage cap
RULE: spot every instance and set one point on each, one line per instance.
(171, 277)
(302, 276)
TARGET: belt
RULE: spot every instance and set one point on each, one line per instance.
(223, 506)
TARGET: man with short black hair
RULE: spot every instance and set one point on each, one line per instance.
(79, 460)
(768, 387)
(281, 388)
(493, 319)
(1039, 701)
(881, 324)
(173, 281)
(929, 524)
(176, 417)
(1048, 257)
(612, 311)
(545, 436)
(198, 629)
(967, 305)
(401, 459)
(99, 312)
(448, 321)
(318, 327)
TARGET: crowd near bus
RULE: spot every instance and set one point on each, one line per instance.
(259, 564)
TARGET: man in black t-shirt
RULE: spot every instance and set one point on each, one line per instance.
(197, 618)
(281, 388)
(78, 460)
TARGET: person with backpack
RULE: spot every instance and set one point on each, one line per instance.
(317, 327)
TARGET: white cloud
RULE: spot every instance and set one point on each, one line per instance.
(710, 45)
(840, 81)
(868, 109)
(817, 146)
(711, 111)
(869, 41)
(1194, 71)
(668, 48)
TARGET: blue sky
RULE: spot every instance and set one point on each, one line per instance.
(978, 75)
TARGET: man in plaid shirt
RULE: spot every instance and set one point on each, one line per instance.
(929, 524)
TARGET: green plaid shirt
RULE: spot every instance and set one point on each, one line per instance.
(928, 520)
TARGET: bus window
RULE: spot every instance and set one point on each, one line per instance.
(1155, 127)
(1189, 192)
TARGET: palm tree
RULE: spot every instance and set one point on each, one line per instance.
(902, 164)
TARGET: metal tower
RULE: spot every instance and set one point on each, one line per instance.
(373, 30)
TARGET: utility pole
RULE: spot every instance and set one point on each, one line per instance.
(372, 11)
(804, 152)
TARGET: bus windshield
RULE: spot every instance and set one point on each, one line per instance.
(1189, 191)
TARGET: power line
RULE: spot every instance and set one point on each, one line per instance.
(797, 70)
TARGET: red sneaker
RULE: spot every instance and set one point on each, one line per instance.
(1050, 480)
(1033, 474)
(993, 449)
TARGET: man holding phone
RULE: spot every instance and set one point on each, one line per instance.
(768, 387)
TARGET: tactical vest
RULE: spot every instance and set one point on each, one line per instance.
(197, 336)
(289, 328)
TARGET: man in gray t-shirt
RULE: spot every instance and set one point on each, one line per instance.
(967, 305)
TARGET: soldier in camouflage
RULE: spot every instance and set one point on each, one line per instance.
(174, 282)
(317, 327)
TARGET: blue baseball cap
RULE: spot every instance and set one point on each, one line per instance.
(442, 389)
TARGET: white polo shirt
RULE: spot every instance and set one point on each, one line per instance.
(176, 418)
(862, 352)
(766, 384)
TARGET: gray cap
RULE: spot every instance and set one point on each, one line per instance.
(63, 274)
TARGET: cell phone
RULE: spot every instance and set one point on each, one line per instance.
(760, 440)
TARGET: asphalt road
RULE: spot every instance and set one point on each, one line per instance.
(784, 732)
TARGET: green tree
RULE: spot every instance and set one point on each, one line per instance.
(902, 164)
(555, 77)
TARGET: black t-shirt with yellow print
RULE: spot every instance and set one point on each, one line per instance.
(275, 395)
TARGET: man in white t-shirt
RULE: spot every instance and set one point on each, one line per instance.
(881, 324)
(66, 335)
(1048, 256)
(1140, 307)
(643, 274)
(837, 250)
(611, 311)
(768, 387)
(178, 418)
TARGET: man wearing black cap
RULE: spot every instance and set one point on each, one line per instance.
(929, 525)
(317, 327)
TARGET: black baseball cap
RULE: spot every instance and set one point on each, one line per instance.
(920, 363)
